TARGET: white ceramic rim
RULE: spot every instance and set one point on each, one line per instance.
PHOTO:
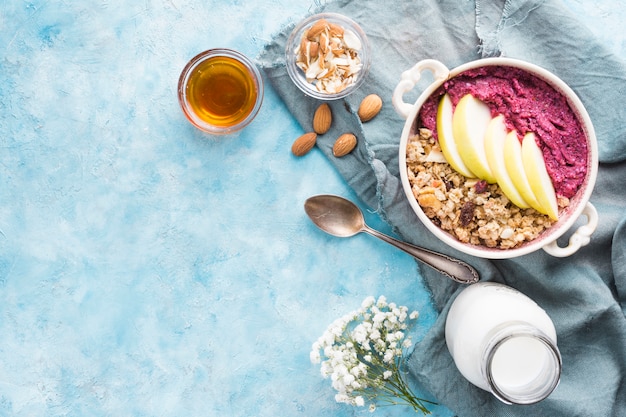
(578, 202)
(296, 74)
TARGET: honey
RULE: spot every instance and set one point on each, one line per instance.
(220, 91)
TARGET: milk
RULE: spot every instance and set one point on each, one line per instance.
(503, 342)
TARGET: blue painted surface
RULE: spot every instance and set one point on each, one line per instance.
(147, 269)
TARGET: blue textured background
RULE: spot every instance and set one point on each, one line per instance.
(147, 269)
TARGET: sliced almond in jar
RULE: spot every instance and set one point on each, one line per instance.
(335, 30)
(321, 62)
(324, 43)
(302, 50)
(330, 71)
(344, 145)
(351, 40)
(317, 28)
(337, 51)
(313, 70)
(313, 49)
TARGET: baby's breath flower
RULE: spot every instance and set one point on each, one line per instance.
(368, 302)
(379, 318)
(315, 356)
(342, 398)
(362, 354)
(382, 302)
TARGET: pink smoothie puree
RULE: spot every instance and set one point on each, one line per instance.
(528, 104)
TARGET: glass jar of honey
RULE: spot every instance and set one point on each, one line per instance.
(220, 91)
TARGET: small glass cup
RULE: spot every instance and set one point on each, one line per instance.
(220, 91)
(294, 44)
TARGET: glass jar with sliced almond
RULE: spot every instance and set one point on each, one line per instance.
(327, 56)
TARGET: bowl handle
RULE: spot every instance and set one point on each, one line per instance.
(408, 80)
(580, 238)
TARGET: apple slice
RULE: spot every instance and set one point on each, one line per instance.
(515, 168)
(494, 149)
(445, 136)
(469, 123)
(538, 177)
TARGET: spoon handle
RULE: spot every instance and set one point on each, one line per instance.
(453, 268)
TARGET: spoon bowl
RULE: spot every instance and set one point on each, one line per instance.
(335, 215)
(341, 218)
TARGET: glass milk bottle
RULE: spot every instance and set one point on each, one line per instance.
(504, 343)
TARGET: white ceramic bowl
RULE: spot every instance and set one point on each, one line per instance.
(579, 203)
(298, 76)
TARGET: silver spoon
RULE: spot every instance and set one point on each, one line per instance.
(340, 217)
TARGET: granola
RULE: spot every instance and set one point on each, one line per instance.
(470, 209)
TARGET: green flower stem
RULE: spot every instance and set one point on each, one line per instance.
(397, 387)
(391, 388)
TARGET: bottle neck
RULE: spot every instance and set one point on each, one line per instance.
(520, 363)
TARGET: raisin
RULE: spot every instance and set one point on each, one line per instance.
(467, 213)
(481, 186)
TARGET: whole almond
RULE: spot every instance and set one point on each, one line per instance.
(344, 145)
(304, 144)
(322, 119)
(370, 107)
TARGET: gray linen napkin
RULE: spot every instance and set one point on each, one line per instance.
(585, 294)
